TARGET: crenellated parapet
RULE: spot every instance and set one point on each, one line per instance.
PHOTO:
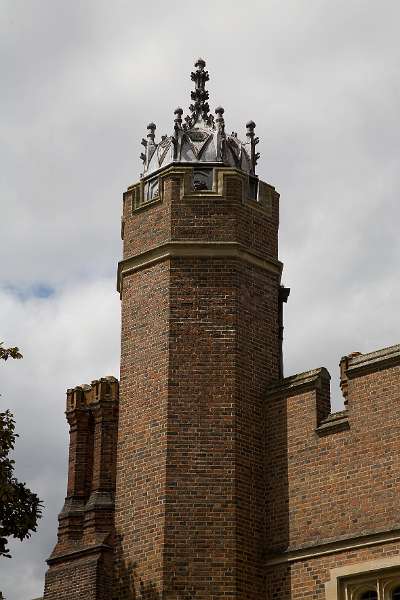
(347, 460)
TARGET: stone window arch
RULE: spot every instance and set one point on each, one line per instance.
(371, 580)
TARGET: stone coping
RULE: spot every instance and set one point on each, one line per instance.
(295, 383)
(337, 421)
(78, 553)
(373, 361)
(357, 365)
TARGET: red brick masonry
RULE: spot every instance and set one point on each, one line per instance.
(333, 480)
(228, 482)
(81, 564)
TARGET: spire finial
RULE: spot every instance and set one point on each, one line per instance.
(178, 112)
(178, 120)
(151, 129)
(199, 96)
(254, 156)
(220, 123)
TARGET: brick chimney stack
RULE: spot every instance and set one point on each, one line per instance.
(82, 561)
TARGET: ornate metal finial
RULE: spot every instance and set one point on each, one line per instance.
(200, 106)
(219, 111)
(201, 63)
(200, 136)
(178, 118)
(250, 125)
(148, 144)
(178, 112)
(151, 127)
(254, 156)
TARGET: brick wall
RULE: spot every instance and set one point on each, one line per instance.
(141, 465)
(89, 576)
(334, 481)
(199, 348)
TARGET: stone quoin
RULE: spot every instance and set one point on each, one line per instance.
(204, 474)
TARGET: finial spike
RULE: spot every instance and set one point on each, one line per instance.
(178, 118)
(201, 63)
(177, 128)
(219, 111)
(200, 106)
(254, 156)
(151, 128)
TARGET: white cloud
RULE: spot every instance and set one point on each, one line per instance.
(69, 338)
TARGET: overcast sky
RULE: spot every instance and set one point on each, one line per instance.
(79, 83)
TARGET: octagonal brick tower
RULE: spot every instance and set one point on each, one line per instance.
(201, 328)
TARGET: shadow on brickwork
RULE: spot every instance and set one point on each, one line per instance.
(127, 585)
(278, 583)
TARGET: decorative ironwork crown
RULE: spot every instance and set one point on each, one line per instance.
(200, 138)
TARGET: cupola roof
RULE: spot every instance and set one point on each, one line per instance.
(200, 137)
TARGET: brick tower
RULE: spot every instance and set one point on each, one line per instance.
(201, 341)
(227, 481)
(200, 291)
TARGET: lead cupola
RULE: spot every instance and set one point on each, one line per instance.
(200, 139)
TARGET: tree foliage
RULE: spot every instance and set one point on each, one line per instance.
(6, 353)
(20, 508)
